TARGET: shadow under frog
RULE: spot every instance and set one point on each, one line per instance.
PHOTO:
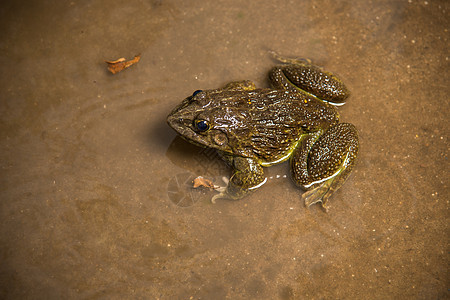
(252, 128)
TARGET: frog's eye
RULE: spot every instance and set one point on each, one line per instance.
(196, 92)
(201, 125)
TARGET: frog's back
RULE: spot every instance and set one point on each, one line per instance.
(274, 121)
(290, 109)
(283, 107)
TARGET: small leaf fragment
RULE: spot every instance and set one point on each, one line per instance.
(121, 64)
(203, 182)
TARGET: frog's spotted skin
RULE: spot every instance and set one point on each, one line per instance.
(310, 79)
(255, 128)
(323, 162)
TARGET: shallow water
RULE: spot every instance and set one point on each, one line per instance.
(95, 202)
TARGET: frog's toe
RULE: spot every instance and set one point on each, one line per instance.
(317, 194)
(222, 195)
(226, 180)
(222, 191)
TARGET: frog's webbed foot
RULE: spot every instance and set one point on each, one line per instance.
(318, 194)
(322, 163)
(221, 195)
(222, 191)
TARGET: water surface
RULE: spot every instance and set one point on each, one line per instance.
(89, 166)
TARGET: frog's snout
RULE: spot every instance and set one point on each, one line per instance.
(174, 121)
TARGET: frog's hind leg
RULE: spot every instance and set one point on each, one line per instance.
(322, 163)
(306, 78)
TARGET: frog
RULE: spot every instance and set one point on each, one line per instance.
(253, 128)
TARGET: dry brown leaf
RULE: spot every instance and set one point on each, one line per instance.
(115, 61)
(200, 181)
(121, 63)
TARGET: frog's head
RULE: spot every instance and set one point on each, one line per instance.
(208, 119)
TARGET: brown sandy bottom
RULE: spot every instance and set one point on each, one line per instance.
(95, 201)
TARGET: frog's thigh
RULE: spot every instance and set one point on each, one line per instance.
(324, 167)
(311, 79)
(279, 81)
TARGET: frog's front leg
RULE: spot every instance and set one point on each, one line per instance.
(248, 175)
(322, 161)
